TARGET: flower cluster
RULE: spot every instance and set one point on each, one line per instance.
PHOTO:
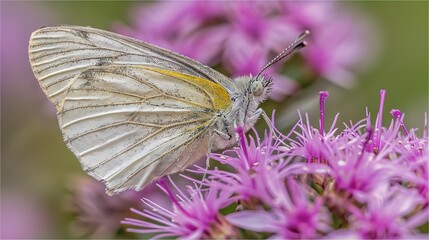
(240, 37)
(195, 216)
(365, 181)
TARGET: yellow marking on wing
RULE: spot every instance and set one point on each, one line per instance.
(217, 92)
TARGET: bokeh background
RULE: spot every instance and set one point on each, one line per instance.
(39, 174)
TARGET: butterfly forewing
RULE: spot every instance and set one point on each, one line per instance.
(59, 54)
(129, 111)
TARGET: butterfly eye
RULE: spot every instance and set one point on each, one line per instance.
(257, 88)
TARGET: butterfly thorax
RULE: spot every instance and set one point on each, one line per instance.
(249, 93)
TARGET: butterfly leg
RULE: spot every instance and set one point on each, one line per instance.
(223, 135)
(222, 128)
(207, 162)
(257, 114)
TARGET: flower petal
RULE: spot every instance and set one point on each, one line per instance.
(258, 221)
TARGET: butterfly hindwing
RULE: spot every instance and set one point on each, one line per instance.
(130, 127)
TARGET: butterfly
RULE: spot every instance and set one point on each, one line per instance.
(132, 112)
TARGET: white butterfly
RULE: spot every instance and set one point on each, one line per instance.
(132, 112)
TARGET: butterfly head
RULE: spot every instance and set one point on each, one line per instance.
(256, 88)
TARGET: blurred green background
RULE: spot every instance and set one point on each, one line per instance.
(37, 168)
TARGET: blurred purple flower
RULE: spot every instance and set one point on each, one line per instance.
(24, 217)
(97, 214)
(240, 37)
(18, 20)
(194, 215)
(343, 39)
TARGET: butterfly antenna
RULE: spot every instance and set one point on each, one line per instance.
(293, 47)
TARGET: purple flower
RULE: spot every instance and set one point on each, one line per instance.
(359, 158)
(359, 174)
(292, 214)
(413, 152)
(311, 143)
(193, 216)
(390, 213)
(240, 37)
(259, 167)
(366, 181)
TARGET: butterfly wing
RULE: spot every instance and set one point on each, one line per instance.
(129, 111)
(59, 54)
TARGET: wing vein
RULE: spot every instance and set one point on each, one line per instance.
(125, 150)
(107, 142)
(74, 50)
(79, 60)
(60, 42)
(110, 126)
(136, 123)
(109, 91)
(140, 141)
(41, 78)
(109, 104)
(124, 111)
(193, 84)
(154, 160)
